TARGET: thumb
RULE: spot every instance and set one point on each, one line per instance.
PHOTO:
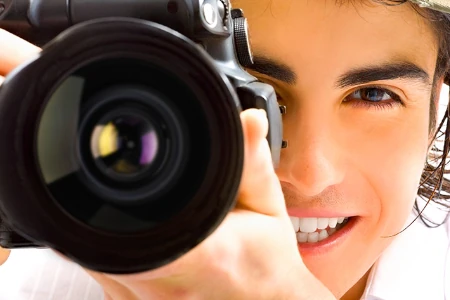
(260, 189)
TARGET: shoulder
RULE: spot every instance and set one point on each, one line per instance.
(40, 274)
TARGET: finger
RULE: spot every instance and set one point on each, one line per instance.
(14, 51)
(4, 254)
(260, 189)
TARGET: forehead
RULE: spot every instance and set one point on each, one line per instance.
(313, 35)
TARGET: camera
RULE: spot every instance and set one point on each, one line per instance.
(121, 141)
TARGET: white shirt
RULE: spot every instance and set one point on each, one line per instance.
(40, 274)
(416, 266)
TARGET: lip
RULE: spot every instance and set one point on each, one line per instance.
(330, 243)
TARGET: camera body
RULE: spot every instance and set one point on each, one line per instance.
(167, 75)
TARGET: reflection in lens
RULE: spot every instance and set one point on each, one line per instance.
(150, 146)
(107, 140)
(126, 145)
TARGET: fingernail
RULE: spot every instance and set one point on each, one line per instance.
(263, 112)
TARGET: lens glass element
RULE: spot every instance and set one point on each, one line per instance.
(124, 146)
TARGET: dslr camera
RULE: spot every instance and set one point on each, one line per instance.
(121, 142)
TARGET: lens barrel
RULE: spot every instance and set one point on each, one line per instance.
(113, 157)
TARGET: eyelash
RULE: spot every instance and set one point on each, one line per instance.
(394, 100)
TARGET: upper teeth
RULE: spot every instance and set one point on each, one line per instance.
(312, 224)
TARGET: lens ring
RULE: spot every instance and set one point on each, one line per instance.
(119, 135)
(154, 106)
(124, 144)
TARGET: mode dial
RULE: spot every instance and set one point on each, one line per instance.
(242, 38)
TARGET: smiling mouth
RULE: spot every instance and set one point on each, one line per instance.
(313, 230)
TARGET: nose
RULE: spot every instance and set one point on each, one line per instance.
(313, 160)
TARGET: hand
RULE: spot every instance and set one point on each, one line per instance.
(14, 51)
(252, 255)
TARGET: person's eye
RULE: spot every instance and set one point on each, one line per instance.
(373, 97)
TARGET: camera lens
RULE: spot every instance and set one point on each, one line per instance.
(124, 151)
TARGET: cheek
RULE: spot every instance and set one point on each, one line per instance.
(389, 152)
(381, 154)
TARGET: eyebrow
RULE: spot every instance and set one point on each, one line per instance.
(274, 69)
(388, 71)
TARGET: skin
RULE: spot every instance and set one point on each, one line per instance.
(4, 254)
(344, 158)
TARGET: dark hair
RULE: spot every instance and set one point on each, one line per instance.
(434, 187)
